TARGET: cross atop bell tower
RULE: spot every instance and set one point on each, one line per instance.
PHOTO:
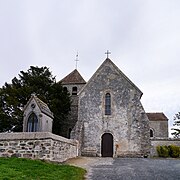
(76, 59)
(107, 52)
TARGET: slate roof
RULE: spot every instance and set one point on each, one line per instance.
(73, 78)
(157, 116)
(42, 105)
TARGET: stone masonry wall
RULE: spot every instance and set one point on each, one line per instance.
(162, 142)
(39, 145)
(160, 128)
(127, 123)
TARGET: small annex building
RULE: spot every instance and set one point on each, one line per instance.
(37, 116)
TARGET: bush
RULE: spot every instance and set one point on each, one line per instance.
(174, 151)
(163, 151)
(168, 151)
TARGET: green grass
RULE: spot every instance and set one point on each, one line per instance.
(26, 169)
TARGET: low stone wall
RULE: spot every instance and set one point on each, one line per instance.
(162, 142)
(39, 145)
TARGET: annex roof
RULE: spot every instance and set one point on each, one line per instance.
(42, 105)
(157, 116)
(73, 78)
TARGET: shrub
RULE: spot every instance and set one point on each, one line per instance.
(163, 151)
(174, 151)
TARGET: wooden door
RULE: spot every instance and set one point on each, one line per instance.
(107, 145)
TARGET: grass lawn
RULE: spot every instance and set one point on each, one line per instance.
(18, 168)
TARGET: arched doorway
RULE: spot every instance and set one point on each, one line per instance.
(107, 145)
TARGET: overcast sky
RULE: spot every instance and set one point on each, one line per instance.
(142, 35)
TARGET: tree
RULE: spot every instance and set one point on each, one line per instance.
(14, 96)
(176, 125)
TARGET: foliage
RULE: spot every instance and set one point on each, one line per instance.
(174, 151)
(168, 151)
(19, 168)
(176, 125)
(14, 96)
(163, 151)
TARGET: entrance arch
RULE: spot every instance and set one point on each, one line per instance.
(107, 145)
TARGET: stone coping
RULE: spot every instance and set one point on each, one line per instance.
(35, 135)
(165, 139)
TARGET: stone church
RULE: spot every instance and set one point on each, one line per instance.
(107, 117)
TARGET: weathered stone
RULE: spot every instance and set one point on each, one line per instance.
(13, 144)
(30, 143)
(27, 155)
(16, 155)
(23, 144)
(126, 122)
(10, 151)
(2, 150)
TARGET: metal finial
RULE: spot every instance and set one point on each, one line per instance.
(77, 59)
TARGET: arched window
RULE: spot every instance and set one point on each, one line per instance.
(65, 89)
(107, 104)
(151, 133)
(32, 124)
(74, 90)
(69, 133)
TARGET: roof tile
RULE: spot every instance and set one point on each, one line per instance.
(73, 78)
(157, 116)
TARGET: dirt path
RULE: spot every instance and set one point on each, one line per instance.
(84, 162)
(89, 163)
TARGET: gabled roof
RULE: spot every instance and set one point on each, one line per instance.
(157, 116)
(73, 78)
(106, 63)
(42, 105)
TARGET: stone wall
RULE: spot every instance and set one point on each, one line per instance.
(162, 142)
(39, 145)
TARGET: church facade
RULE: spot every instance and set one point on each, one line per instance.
(107, 116)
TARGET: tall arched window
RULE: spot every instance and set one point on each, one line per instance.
(74, 90)
(107, 104)
(151, 133)
(32, 124)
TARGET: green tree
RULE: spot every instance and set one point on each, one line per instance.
(176, 125)
(14, 96)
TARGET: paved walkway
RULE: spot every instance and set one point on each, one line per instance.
(128, 168)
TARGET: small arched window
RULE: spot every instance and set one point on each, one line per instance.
(65, 89)
(32, 124)
(74, 90)
(108, 104)
(69, 133)
(151, 133)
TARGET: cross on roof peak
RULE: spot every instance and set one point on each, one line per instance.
(107, 53)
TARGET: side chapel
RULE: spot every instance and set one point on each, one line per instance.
(106, 117)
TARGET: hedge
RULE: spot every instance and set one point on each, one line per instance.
(168, 151)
